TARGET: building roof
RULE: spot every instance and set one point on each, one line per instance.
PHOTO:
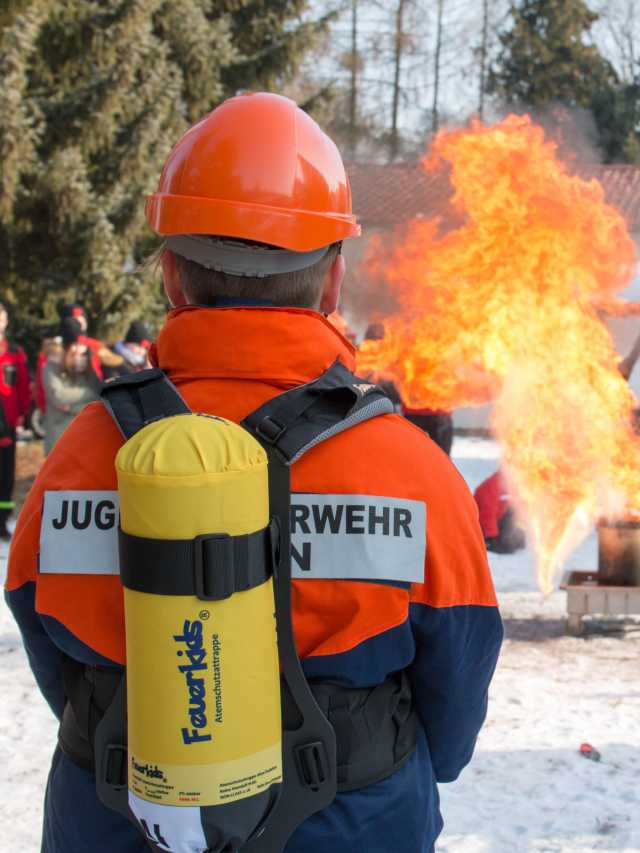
(385, 195)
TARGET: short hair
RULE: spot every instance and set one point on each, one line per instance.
(298, 289)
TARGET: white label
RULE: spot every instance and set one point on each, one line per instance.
(78, 534)
(358, 537)
(173, 828)
(332, 536)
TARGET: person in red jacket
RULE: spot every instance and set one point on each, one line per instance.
(15, 396)
(497, 518)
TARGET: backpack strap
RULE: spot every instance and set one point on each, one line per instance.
(294, 422)
(287, 426)
(137, 399)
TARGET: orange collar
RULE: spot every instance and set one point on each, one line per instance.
(283, 346)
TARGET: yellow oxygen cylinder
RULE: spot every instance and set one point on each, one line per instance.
(203, 684)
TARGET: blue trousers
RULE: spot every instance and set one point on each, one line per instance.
(398, 815)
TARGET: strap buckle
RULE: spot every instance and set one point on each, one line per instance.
(269, 430)
(115, 765)
(214, 568)
(313, 764)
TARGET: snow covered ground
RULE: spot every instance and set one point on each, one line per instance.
(527, 789)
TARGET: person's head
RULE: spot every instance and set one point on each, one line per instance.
(75, 312)
(317, 286)
(70, 331)
(254, 204)
(4, 320)
(137, 341)
(75, 357)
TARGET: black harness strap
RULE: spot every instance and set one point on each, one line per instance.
(309, 778)
(287, 426)
(211, 567)
(137, 399)
(297, 420)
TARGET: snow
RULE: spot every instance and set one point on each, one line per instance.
(527, 788)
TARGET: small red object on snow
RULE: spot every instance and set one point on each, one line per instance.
(588, 751)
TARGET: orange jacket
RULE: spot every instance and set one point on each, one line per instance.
(228, 362)
(445, 630)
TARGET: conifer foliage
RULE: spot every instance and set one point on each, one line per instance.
(94, 94)
(546, 55)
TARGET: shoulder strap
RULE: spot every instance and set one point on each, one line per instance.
(301, 418)
(138, 399)
(287, 427)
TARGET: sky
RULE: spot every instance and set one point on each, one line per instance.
(462, 27)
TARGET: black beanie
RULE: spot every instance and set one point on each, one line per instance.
(137, 334)
(70, 310)
(70, 330)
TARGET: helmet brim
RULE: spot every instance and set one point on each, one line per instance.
(297, 230)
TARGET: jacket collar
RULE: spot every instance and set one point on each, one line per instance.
(282, 346)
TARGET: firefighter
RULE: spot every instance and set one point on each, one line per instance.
(391, 583)
(15, 402)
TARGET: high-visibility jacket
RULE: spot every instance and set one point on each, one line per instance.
(356, 616)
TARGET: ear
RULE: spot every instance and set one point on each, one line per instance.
(171, 279)
(333, 285)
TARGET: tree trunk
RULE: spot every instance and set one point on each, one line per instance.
(399, 47)
(436, 68)
(483, 56)
(353, 92)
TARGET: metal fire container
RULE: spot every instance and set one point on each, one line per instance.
(619, 553)
(614, 590)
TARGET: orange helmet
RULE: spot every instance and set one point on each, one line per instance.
(257, 168)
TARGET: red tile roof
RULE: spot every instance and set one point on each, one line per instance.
(386, 195)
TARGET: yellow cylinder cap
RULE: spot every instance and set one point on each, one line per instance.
(182, 446)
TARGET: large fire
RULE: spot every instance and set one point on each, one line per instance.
(507, 308)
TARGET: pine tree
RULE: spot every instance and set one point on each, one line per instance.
(272, 37)
(617, 116)
(94, 95)
(546, 57)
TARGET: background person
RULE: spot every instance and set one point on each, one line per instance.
(133, 349)
(502, 534)
(102, 355)
(15, 400)
(438, 425)
(69, 381)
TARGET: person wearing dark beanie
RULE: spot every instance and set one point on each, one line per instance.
(138, 333)
(133, 349)
(70, 331)
(69, 380)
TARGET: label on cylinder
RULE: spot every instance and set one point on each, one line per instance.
(203, 697)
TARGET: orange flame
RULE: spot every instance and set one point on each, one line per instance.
(505, 308)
